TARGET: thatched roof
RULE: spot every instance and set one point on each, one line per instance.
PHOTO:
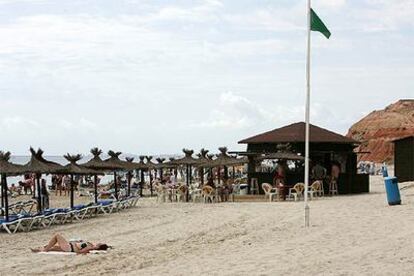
(295, 133)
(73, 168)
(96, 162)
(205, 158)
(164, 165)
(223, 159)
(115, 163)
(149, 163)
(188, 159)
(8, 168)
(37, 164)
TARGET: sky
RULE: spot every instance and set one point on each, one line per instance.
(153, 77)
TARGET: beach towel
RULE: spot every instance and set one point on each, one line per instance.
(71, 253)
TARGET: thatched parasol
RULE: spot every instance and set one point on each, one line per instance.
(72, 168)
(143, 167)
(188, 161)
(204, 158)
(38, 165)
(151, 165)
(116, 164)
(160, 166)
(96, 163)
(7, 168)
(130, 160)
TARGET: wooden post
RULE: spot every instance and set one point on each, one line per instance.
(39, 200)
(187, 182)
(6, 197)
(34, 187)
(2, 196)
(72, 198)
(141, 181)
(129, 176)
(150, 177)
(95, 184)
(116, 186)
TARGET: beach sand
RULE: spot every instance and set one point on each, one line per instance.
(350, 235)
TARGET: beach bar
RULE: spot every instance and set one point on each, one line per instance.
(326, 148)
(404, 159)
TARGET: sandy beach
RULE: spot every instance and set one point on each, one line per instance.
(350, 235)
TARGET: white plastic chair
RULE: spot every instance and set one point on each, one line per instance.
(270, 191)
(297, 191)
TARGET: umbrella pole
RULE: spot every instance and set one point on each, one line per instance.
(116, 186)
(95, 186)
(2, 196)
(39, 200)
(6, 197)
(218, 175)
(150, 177)
(129, 182)
(188, 182)
(142, 182)
(72, 199)
(34, 188)
(234, 172)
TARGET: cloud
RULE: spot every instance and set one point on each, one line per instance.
(18, 122)
(334, 4)
(238, 112)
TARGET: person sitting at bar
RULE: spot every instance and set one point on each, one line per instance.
(318, 172)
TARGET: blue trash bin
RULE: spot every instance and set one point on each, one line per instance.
(393, 192)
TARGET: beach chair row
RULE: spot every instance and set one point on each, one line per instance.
(59, 216)
(22, 207)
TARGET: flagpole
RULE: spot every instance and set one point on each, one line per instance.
(307, 115)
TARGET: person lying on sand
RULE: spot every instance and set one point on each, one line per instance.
(59, 243)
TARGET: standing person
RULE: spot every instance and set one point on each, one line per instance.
(333, 181)
(58, 185)
(279, 180)
(65, 183)
(44, 194)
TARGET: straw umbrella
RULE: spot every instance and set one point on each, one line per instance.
(142, 168)
(72, 168)
(160, 166)
(96, 163)
(224, 160)
(38, 165)
(203, 157)
(116, 164)
(188, 161)
(7, 168)
(130, 160)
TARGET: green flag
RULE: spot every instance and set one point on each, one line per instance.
(318, 26)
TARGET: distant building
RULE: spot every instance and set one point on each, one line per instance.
(326, 148)
(404, 159)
